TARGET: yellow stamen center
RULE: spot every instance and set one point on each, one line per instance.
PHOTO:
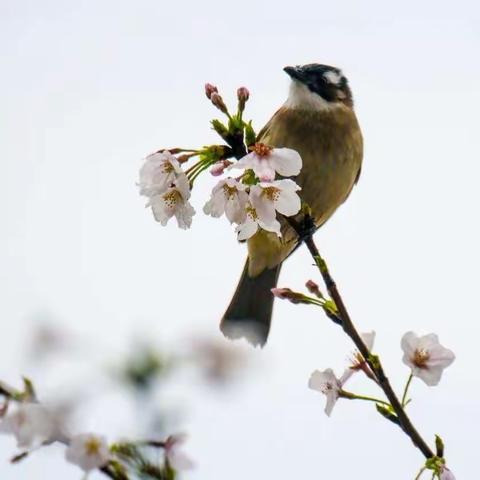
(172, 197)
(272, 193)
(421, 357)
(229, 192)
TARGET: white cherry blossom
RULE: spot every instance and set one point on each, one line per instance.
(88, 451)
(253, 222)
(278, 196)
(229, 197)
(327, 383)
(174, 202)
(265, 161)
(158, 172)
(31, 424)
(426, 357)
(358, 362)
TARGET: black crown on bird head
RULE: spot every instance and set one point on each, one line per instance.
(324, 80)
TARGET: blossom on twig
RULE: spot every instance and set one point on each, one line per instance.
(327, 383)
(174, 202)
(229, 197)
(265, 161)
(426, 357)
(278, 196)
(253, 222)
(158, 172)
(358, 363)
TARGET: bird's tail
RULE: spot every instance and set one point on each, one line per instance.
(250, 311)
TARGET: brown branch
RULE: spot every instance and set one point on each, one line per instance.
(373, 361)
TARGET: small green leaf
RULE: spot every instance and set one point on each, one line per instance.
(250, 135)
(387, 413)
(439, 445)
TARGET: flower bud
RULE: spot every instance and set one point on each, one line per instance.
(217, 100)
(243, 95)
(313, 288)
(209, 89)
(288, 294)
(219, 167)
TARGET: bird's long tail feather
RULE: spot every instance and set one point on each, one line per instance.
(250, 311)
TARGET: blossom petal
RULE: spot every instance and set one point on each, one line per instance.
(247, 229)
(288, 203)
(264, 207)
(287, 162)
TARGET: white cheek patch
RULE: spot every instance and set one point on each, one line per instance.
(302, 98)
(333, 77)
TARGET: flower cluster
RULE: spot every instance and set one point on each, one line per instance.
(34, 425)
(250, 200)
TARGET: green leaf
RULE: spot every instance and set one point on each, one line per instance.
(250, 135)
(387, 413)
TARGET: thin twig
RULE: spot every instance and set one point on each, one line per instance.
(373, 361)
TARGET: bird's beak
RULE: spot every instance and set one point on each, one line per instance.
(294, 73)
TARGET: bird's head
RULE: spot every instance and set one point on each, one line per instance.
(317, 87)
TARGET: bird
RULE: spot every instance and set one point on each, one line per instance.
(318, 121)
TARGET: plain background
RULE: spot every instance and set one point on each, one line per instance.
(88, 88)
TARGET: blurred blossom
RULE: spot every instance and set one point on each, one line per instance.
(426, 357)
(174, 454)
(220, 361)
(45, 340)
(144, 367)
(88, 451)
(31, 424)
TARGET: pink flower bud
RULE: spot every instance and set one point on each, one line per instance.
(209, 89)
(217, 100)
(288, 294)
(219, 167)
(312, 287)
(243, 94)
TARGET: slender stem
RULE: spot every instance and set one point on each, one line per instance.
(354, 396)
(420, 473)
(405, 392)
(373, 361)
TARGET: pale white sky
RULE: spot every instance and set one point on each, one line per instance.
(89, 87)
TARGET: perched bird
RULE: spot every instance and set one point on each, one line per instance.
(318, 121)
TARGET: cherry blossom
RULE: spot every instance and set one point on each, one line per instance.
(253, 222)
(426, 357)
(174, 202)
(88, 451)
(265, 161)
(327, 383)
(229, 197)
(158, 172)
(278, 196)
(358, 362)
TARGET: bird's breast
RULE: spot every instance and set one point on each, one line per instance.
(330, 144)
